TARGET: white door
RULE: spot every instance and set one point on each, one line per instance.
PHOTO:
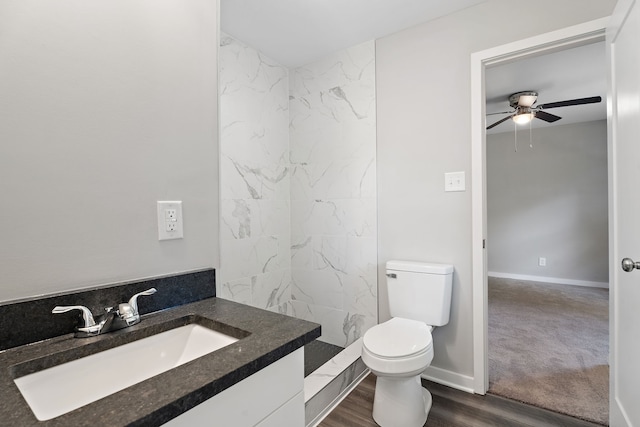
(623, 36)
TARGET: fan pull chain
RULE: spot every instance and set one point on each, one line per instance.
(530, 137)
(515, 136)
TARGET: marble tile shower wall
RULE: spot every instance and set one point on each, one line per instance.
(255, 261)
(298, 190)
(332, 134)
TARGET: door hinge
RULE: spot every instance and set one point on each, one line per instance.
(484, 243)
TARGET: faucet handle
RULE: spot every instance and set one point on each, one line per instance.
(86, 313)
(128, 311)
(133, 302)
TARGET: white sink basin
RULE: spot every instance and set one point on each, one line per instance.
(63, 388)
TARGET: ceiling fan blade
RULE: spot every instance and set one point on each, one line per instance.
(549, 118)
(498, 122)
(500, 112)
(579, 101)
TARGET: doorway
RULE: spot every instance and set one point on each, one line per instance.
(558, 40)
(547, 203)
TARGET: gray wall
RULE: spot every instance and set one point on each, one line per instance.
(106, 108)
(549, 201)
(423, 125)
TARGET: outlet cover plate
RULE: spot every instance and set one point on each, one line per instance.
(170, 220)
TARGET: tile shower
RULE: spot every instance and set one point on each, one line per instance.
(298, 187)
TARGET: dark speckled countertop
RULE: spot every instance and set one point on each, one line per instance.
(264, 337)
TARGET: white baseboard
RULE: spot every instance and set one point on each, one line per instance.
(448, 378)
(544, 279)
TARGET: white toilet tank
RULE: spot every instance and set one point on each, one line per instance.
(420, 291)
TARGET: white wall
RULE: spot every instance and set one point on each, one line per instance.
(298, 149)
(107, 106)
(423, 92)
(333, 193)
(255, 264)
(549, 201)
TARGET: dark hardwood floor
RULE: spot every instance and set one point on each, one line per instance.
(451, 408)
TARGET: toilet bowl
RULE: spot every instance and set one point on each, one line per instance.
(400, 349)
(397, 352)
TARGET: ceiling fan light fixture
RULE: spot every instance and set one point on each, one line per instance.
(523, 118)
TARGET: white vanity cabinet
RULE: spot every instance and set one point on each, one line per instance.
(272, 397)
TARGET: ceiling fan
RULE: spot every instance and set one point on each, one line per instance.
(524, 111)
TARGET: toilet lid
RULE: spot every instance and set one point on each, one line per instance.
(398, 338)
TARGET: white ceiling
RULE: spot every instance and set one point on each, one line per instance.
(569, 74)
(297, 32)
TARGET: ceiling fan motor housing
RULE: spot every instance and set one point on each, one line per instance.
(523, 99)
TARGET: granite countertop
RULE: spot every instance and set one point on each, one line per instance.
(264, 337)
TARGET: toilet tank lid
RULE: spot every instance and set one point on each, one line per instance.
(420, 267)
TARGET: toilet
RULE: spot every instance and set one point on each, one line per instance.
(400, 349)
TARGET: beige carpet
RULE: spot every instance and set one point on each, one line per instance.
(549, 346)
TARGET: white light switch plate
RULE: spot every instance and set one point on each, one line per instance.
(454, 181)
(170, 220)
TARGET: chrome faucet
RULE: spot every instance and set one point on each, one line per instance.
(126, 315)
(90, 327)
(128, 311)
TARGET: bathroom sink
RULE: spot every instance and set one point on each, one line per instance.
(63, 388)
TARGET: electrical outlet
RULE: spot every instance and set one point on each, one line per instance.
(170, 220)
(542, 262)
(170, 214)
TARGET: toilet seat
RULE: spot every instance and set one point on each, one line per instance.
(398, 338)
(398, 347)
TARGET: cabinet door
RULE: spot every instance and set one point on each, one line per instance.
(255, 398)
(291, 414)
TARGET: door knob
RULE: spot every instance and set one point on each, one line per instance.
(628, 264)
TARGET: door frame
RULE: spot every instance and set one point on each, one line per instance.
(566, 38)
(617, 414)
